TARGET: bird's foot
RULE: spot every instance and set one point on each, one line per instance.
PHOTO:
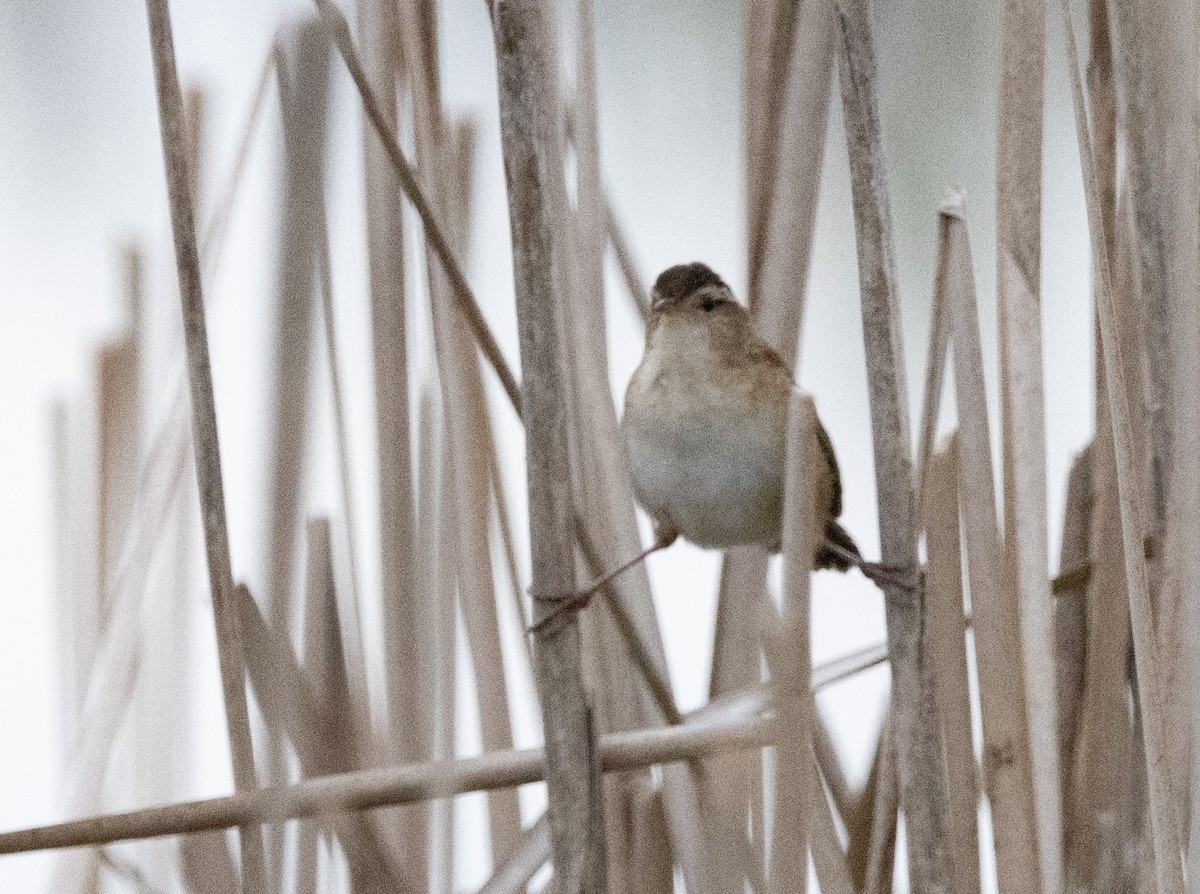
(566, 606)
(890, 578)
(562, 609)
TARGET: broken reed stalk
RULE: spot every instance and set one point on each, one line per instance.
(527, 109)
(1007, 776)
(204, 429)
(368, 789)
(790, 652)
(1165, 826)
(438, 241)
(1018, 279)
(914, 709)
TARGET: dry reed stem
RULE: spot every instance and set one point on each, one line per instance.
(213, 236)
(634, 285)
(652, 861)
(858, 818)
(435, 576)
(790, 655)
(527, 109)
(523, 864)
(303, 73)
(349, 600)
(368, 789)
(1070, 609)
(833, 875)
(618, 698)
(922, 790)
(764, 126)
(204, 426)
(336, 736)
(1163, 815)
(946, 630)
(205, 864)
(290, 701)
(790, 199)
(1007, 777)
(1018, 228)
(1099, 776)
(881, 848)
(831, 769)
(1099, 773)
(464, 297)
(1170, 53)
(378, 30)
(467, 428)
(787, 105)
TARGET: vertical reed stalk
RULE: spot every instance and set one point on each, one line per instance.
(527, 110)
(1018, 254)
(791, 658)
(945, 627)
(914, 709)
(204, 429)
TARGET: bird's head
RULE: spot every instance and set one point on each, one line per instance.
(692, 289)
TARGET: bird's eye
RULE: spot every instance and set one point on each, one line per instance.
(708, 304)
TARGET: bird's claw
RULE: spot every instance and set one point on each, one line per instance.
(564, 608)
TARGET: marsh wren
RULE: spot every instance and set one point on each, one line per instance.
(705, 428)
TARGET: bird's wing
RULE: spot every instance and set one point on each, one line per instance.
(835, 508)
(758, 351)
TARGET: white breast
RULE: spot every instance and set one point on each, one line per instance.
(702, 451)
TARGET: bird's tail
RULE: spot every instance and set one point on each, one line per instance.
(837, 559)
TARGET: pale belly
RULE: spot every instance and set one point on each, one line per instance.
(716, 476)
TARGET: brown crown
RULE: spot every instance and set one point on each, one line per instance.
(676, 283)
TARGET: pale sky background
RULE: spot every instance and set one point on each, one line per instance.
(81, 171)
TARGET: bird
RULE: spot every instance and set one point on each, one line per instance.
(705, 431)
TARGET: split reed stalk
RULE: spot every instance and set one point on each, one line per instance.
(204, 429)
